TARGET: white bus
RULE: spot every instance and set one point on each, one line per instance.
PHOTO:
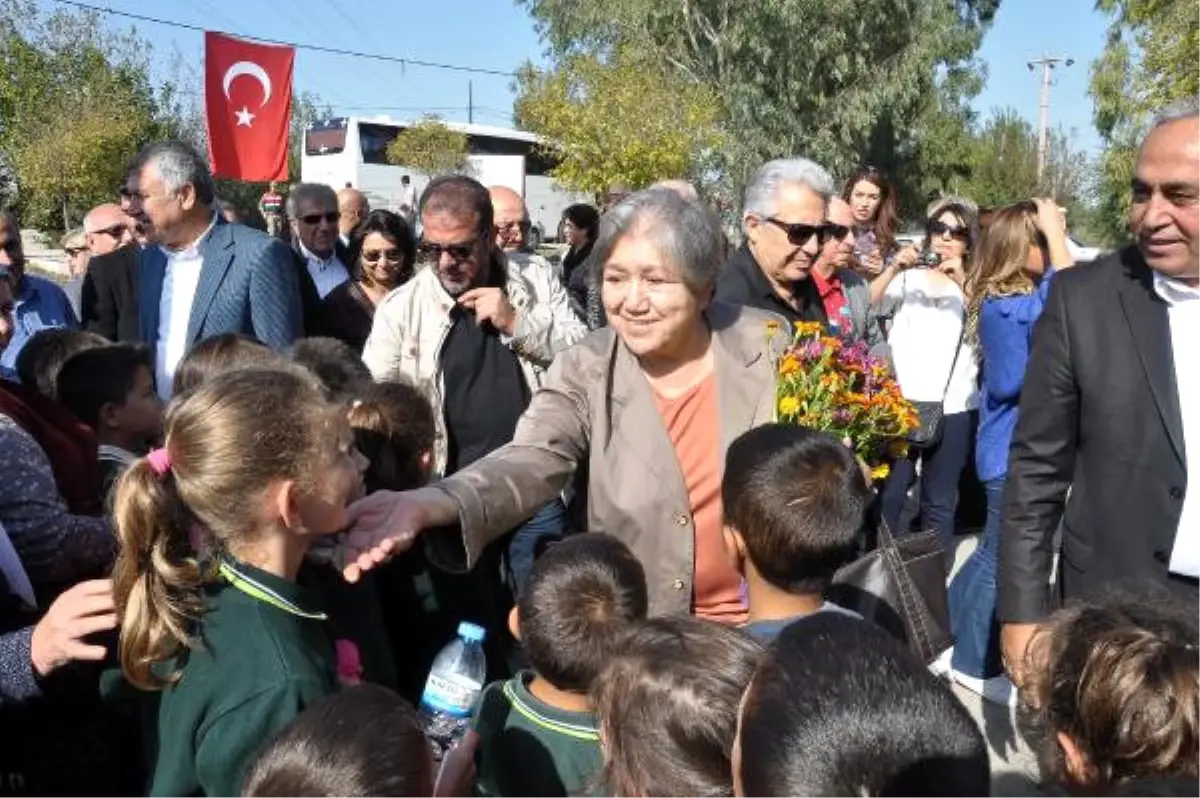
(353, 151)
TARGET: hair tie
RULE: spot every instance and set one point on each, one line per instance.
(160, 462)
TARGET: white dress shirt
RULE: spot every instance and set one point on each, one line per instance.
(175, 310)
(328, 274)
(1183, 311)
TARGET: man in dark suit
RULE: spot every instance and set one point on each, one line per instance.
(1112, 392)
(203, 278)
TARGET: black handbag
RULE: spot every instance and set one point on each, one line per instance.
(900, 585)
(929, 433)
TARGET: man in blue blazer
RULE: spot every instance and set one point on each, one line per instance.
(202, 277)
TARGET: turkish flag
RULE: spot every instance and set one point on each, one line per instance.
(247, 106)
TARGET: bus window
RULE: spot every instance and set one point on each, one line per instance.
(325, 137)
(375, 140)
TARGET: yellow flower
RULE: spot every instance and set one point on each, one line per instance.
(880, 471)
(806, 328)
(789, 365)
(789, 405)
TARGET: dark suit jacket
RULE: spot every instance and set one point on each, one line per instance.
(1099, 415)
(310, 298)
(109, 298)
(248, 284)
(742, 282)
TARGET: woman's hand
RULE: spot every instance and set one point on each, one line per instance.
(385, 524)
(873, 263)
(953, 268)
(906, 258)
(1049, 219)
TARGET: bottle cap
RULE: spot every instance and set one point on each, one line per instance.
(472, 633)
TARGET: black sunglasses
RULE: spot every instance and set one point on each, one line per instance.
(315, 218)
(375, 255)
(835, 232)
(428, 251)
(939, 228)
(116, 231)
(800, 234)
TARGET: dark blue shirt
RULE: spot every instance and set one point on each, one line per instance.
(1005, 337)
(40, 304)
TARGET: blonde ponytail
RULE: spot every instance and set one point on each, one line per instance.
(157, 578)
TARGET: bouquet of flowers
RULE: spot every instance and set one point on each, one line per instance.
(839, 388)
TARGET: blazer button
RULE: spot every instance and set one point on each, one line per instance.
(1175, 493)
(681, 519)
(677, 584)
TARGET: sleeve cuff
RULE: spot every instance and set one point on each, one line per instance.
(17, 679)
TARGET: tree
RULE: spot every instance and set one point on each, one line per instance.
(840, 82)
(623, 121)
(1151, 59)
(428, 146)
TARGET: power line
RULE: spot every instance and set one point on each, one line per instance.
(299, 46)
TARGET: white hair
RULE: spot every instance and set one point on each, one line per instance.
(762, 195)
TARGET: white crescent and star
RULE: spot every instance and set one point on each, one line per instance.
(244, 117)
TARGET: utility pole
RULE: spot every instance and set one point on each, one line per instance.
(470, 104)
(1048, 64)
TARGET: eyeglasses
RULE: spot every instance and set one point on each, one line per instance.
(73, 251)
(315, 218)
(938, 228)
(835, 232)
(116, 230)
(432, 253)
(800, 234)
(523, 226)
(375, 255)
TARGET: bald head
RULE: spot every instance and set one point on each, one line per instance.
(839, 246)
(683, 188)
(352, 208)
(107, 228)
(511, 218)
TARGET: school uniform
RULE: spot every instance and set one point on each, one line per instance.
(527, 747)
(264, 656)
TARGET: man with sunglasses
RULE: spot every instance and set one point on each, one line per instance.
(312, 210)
(475, 332)
(784, 223)
(109, 294)
(845, 295)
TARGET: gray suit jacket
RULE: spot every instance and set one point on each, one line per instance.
(864, 320)
(248, 284)
(596, 406)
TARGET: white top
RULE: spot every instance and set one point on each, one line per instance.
(328, 274)
(925, 330)
(175, 310)
(408, 196)
(1183, 311)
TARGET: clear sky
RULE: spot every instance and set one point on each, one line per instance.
(498, 35)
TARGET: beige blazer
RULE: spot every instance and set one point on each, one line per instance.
(596, 405)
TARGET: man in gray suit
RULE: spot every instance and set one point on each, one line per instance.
(845, 295)
(201, 276)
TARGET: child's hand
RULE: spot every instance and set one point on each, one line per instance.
(457, 774)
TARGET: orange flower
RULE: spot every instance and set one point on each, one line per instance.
(789, 365)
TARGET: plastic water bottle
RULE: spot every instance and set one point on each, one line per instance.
(453, 687)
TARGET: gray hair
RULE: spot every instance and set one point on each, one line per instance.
(687, 233)
(310, 192)
(1180, 109)
(178, 164)
(762, 194)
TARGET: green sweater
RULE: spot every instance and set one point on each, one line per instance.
(527, 747)
(265, 657)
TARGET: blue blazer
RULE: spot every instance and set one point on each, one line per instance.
(248, 284)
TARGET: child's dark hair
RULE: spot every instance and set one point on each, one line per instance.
(96, 377)
(668, 707)
(335, 364)
(365, 740)
(839, 707)
(580, 598)
(1119, 678)
(393, 427)
(798, 498)
(227, 441)
(218, 355)
(45, 353)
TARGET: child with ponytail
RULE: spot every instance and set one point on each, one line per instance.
(213, 528)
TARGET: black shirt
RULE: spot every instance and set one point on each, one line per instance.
(742, 282)
(485, 390)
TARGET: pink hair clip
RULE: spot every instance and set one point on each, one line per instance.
(160, 462)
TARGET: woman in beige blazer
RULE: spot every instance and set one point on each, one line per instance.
(649, 404)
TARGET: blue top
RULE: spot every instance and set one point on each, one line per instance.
(1005, 337)
(39, 304)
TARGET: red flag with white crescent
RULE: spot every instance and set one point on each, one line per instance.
(247, 107)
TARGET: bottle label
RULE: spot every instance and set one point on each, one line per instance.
(454, 695)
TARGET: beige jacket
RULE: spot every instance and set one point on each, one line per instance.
(596, 406)
(411, 324)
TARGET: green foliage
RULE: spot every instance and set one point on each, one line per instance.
(624, 120)
(840, 82)
(1152, 58)
(428, 146)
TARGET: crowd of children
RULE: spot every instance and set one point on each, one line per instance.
(248, 666)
